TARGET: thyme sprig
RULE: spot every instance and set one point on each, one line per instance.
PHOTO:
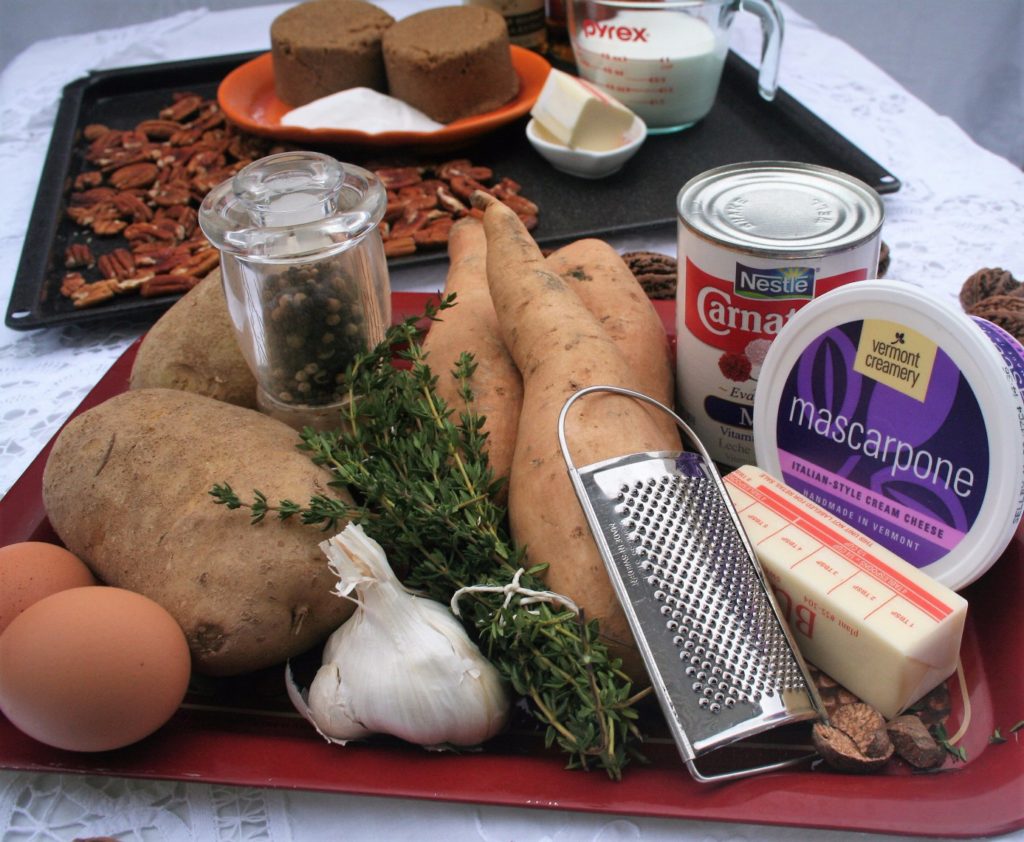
(424, 489)
(959, 753)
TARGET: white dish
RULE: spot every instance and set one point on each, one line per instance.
(583, 162)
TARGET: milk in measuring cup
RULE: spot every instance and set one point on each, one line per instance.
(665, 67)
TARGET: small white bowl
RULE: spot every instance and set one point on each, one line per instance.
(583, 162)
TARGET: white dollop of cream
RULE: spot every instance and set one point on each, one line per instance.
(360, 109)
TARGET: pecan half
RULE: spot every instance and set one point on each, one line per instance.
(117, 264)
(394, 178)
(435, 232)
(185, 106)
(139, 174)
(108, 226)
(72, 282)
(92, 294)
(78, 256)
(399, 246)
(167, 285)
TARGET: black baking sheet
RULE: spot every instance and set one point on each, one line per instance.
(639, 198)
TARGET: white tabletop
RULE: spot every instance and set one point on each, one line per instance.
(960, 208)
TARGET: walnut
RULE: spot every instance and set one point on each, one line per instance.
(985, 283)
(655, 272)
(1006, 310)
(883, 260)
(855, 740)
(914, 743)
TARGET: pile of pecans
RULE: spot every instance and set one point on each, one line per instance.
(135, 203)
(139, 193)
(425, 201)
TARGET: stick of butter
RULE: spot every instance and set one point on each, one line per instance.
(578, 115)
(875, 623)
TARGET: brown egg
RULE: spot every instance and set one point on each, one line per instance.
(31, 570)
(93, 668)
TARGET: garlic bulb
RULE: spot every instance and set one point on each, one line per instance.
(401, 664)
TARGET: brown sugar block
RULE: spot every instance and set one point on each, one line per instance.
(325, 46)
(450, 62)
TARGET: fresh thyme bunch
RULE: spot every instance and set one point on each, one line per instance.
(425, 492)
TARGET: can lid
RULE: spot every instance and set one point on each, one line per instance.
(902, 416)
(781, 207)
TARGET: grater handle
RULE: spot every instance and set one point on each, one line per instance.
(630, 393)
(689, 433)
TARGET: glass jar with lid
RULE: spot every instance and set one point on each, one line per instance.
(304, 274)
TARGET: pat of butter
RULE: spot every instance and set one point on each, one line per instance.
(875, 623)
(578, 115)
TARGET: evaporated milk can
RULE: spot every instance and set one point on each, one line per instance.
(757, 241)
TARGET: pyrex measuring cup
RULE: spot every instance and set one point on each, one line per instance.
(663, 58)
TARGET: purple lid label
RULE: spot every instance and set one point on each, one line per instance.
(879, 426)
(1008, 347)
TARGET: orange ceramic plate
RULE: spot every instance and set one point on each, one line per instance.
(248, 98)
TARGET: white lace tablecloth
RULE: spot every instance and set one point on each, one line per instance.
(960, 208)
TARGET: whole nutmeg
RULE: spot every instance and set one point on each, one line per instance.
(884, 258)
(914, 743)
(855, 740)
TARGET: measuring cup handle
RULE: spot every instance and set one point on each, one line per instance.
(771, 44)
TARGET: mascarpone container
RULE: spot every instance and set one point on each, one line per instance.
(904, 417)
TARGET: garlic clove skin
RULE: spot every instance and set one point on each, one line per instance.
(331, 718)
(327, 707)
(402, 664)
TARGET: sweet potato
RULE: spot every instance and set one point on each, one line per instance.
(192, 347)
(126, 487)
(472, 325)
(560, 347)
(605, 284)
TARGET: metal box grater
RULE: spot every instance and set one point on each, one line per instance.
(720, 658)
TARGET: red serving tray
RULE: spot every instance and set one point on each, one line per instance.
(238, 732)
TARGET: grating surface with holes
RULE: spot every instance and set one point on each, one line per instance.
(683, 571)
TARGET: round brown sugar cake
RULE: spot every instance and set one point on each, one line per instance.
(450, 62)
(325, 46)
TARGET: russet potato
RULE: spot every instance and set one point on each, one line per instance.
(192, 347)
(126, 487)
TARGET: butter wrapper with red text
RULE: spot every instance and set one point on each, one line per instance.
(879, 626)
